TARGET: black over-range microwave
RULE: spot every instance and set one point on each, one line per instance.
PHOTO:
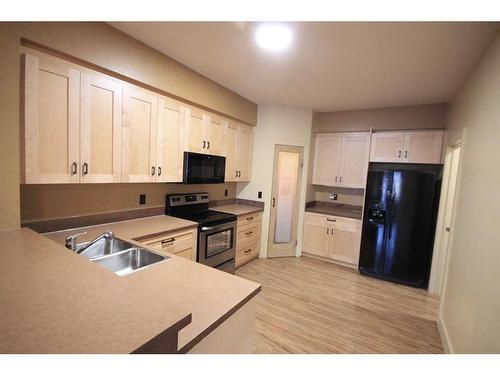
(203, 169)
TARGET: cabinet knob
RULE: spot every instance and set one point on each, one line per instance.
(153, 171)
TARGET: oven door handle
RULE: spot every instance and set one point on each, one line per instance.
(207, 228)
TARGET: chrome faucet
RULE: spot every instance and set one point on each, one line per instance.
(109, 235)
(70, 242)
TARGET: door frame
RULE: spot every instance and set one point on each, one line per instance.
(272, 217)
(441, 253)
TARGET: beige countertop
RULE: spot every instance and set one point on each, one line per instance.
(55, 301)
(336, 209)
(237, 209)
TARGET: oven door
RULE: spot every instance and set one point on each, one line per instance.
(217, 244)
(203, 169)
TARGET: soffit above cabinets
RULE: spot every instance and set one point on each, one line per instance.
(330, 65)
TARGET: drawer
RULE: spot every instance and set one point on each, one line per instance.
(249, 219)
(247, 235)
(175, 243)
(337, 222)
(246, 254)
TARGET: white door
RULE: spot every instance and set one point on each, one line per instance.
(327, 154)
(387, 147)
(288, 161)
(51, 121)
(101, 125)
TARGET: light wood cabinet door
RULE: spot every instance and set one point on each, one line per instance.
(327, 154)
(195, 134)
(316, 239)
(346, 237)
(387, 147)
(140, 121)
(230, 139)
(101, 125)
(354, 164)
(423, 147)
(51, 149)
(244, 152)
(170, 140)
(214, 134)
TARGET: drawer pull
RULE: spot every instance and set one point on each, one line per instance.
(330, 219)
(167, 242)
(249, 218)
(248, 251)
(249, 233)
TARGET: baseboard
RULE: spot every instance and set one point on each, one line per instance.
(445, 338)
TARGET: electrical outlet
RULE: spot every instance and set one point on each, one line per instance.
(259, 194)
(142, 199)
(333, 196)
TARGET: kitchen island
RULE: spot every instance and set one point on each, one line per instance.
(53, 300)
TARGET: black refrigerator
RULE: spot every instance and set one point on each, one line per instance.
(399, 224)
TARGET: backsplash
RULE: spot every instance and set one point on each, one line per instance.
(40, 202)
(344, 195)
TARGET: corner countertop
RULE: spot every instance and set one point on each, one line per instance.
(237, 209)
(335, 209)
(55, 301)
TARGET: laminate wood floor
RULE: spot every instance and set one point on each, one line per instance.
(311, 306)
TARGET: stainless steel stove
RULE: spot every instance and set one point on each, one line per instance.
(216, 230)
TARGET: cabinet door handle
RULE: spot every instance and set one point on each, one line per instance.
(204, 144)
(249, 218)
(340, 179)
(274, 202)
(328, 219)
(208, 145)
(159, 171)
(74, 167)
(247, 251)
(399, 153)
(406, 153)
(236, 174)
(85, 168)
(153, 171)
(249, 233)
(335, 178)
(327, 230)
(167, 242)
(239, 173)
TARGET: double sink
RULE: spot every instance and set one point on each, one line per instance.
(118, 256)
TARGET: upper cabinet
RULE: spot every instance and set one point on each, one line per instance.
(237, 150)
(204, 133)
(341, 159)
(140, 111)
(101, 126)
(51, 152)
(407, 147)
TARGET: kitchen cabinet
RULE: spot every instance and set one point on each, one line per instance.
(140, 111)
(204, 133)
(332, 238)
(407, 147)
(248, 229)
(237, 150)
(341, 159)
(101, 124)
(181, 243)
(51, 113)
(170, 140)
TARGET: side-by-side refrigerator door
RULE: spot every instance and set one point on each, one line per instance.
(373, 240)
(409, 233)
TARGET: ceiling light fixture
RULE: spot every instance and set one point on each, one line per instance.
(273, 36)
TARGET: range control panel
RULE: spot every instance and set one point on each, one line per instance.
(187, 199)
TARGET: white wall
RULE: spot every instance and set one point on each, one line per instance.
(276, 125)
(470, 307)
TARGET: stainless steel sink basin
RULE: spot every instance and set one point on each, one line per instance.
(128, 261)
(105, 246)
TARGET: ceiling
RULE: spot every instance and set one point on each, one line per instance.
(331, 65)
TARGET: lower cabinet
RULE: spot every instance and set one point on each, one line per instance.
(247, 238)
(333, 238)
(181, 243)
